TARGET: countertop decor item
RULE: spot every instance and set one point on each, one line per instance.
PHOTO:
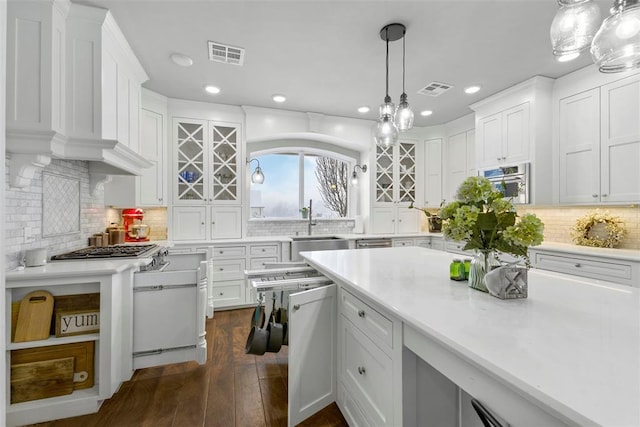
(489, 224)
(305, 212)
(433, 219)
(598, 229)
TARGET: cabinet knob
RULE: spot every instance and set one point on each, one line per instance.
(577, 265)
(221, 293)
(221, 269)
(202, 223)
(594, 195)
(604, 195)
(360, 313)
(221, 252)
(263, 250)
(296, 307)
(160, 199)
(361, 370)
(504, 158)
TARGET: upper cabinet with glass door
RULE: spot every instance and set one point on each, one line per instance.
(396, 174)
(206, 167)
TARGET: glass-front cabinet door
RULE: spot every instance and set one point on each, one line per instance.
(395, 180)
(225, 156)
(406, 176)
(190, 167)
(384, 174)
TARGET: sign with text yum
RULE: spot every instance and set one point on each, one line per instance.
(77, 322)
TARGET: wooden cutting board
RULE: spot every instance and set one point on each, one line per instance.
(39, 380)
(34, 317)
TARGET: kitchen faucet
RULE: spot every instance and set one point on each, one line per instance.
(311, 223)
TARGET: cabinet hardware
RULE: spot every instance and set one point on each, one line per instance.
(361, 370)
(221, 293)
(594, 195)
(360, 313)
(296, 307)
(577, 265)
(604, 195)
(221, 269)
(498, 159)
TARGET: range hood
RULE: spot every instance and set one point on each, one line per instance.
(73, 91)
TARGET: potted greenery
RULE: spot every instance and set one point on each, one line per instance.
(490, 225)
(433, 219)
(305, 212)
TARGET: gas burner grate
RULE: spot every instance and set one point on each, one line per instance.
(116, 251)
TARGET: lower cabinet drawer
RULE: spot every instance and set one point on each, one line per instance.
(228, 269)
(616, 271)
(229, 293)
(352, 413)
(368, 319)
(367, 374)
(402, 242)
(258, 263)
(263, 250)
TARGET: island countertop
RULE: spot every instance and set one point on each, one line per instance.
(572, 347)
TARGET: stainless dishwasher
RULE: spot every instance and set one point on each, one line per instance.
(381, 242)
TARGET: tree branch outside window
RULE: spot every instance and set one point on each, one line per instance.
(333, 176)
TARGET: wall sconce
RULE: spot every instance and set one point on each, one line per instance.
(257, 177)
(354, 175)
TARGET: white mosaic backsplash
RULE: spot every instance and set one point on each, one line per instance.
(24, 212)
(293, 227)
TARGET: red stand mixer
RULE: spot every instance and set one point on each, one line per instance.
(134, 230)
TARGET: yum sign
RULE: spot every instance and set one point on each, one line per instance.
(77, 322)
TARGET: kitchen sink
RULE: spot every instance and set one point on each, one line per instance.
(315, 243)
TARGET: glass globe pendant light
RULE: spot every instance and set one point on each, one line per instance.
(404, 114)
(573, 28)
(385, 131)
(616, 46)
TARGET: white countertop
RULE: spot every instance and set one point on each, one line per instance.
(76, 268)
(572, 346)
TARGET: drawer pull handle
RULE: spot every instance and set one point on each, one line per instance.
(361, 370)
(263, 250)
(221, 293)
(594, 195)
(360, 313)
(296, 307)
(577, 265)
(221, 269)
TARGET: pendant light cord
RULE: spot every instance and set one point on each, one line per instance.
(387, 65)
(403, 39)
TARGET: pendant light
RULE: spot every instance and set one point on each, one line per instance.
(616, 46)
(404, 114)
(573, 28)
(385, 131)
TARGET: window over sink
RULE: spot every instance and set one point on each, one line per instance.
(293, 177)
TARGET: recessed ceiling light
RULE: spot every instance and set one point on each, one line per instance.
(568, 57)
(426, 113)
(279, 98)
(471, 89)
(181, 60)
(363, 109)
(212, 89)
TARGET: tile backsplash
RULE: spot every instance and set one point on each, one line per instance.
(294, 227)
(558, 221)
(25, 212)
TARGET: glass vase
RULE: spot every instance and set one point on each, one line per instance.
(481, 263)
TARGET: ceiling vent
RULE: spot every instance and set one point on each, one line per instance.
(435, 89)
(224, 53)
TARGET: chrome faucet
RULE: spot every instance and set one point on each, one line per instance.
(311, 223)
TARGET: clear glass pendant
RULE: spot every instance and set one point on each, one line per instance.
(616, 46)
(574, 27)
(404, 115)
(385, 131)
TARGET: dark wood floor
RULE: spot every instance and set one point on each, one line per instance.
(231, 389)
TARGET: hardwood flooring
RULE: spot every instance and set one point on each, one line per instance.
(231, 389)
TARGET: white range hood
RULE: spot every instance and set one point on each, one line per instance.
(73, 91)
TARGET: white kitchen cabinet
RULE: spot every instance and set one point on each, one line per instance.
(612, 269)
(620, 141)
(112, 344)
(148, 189)
(599, 144)
(514, 126)
(504, 137)
(394, 182)
(460, 161)
(189, 223)
(312, 352)
(579, 148)
(370, 357)
(206, 172)
(433, 172)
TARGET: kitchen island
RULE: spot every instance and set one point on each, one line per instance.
(567, 355)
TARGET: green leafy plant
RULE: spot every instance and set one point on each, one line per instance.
(483, 218)
(305, 209)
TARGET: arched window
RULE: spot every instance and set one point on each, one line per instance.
(293, 176)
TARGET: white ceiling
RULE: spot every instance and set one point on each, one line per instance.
(327, 56)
